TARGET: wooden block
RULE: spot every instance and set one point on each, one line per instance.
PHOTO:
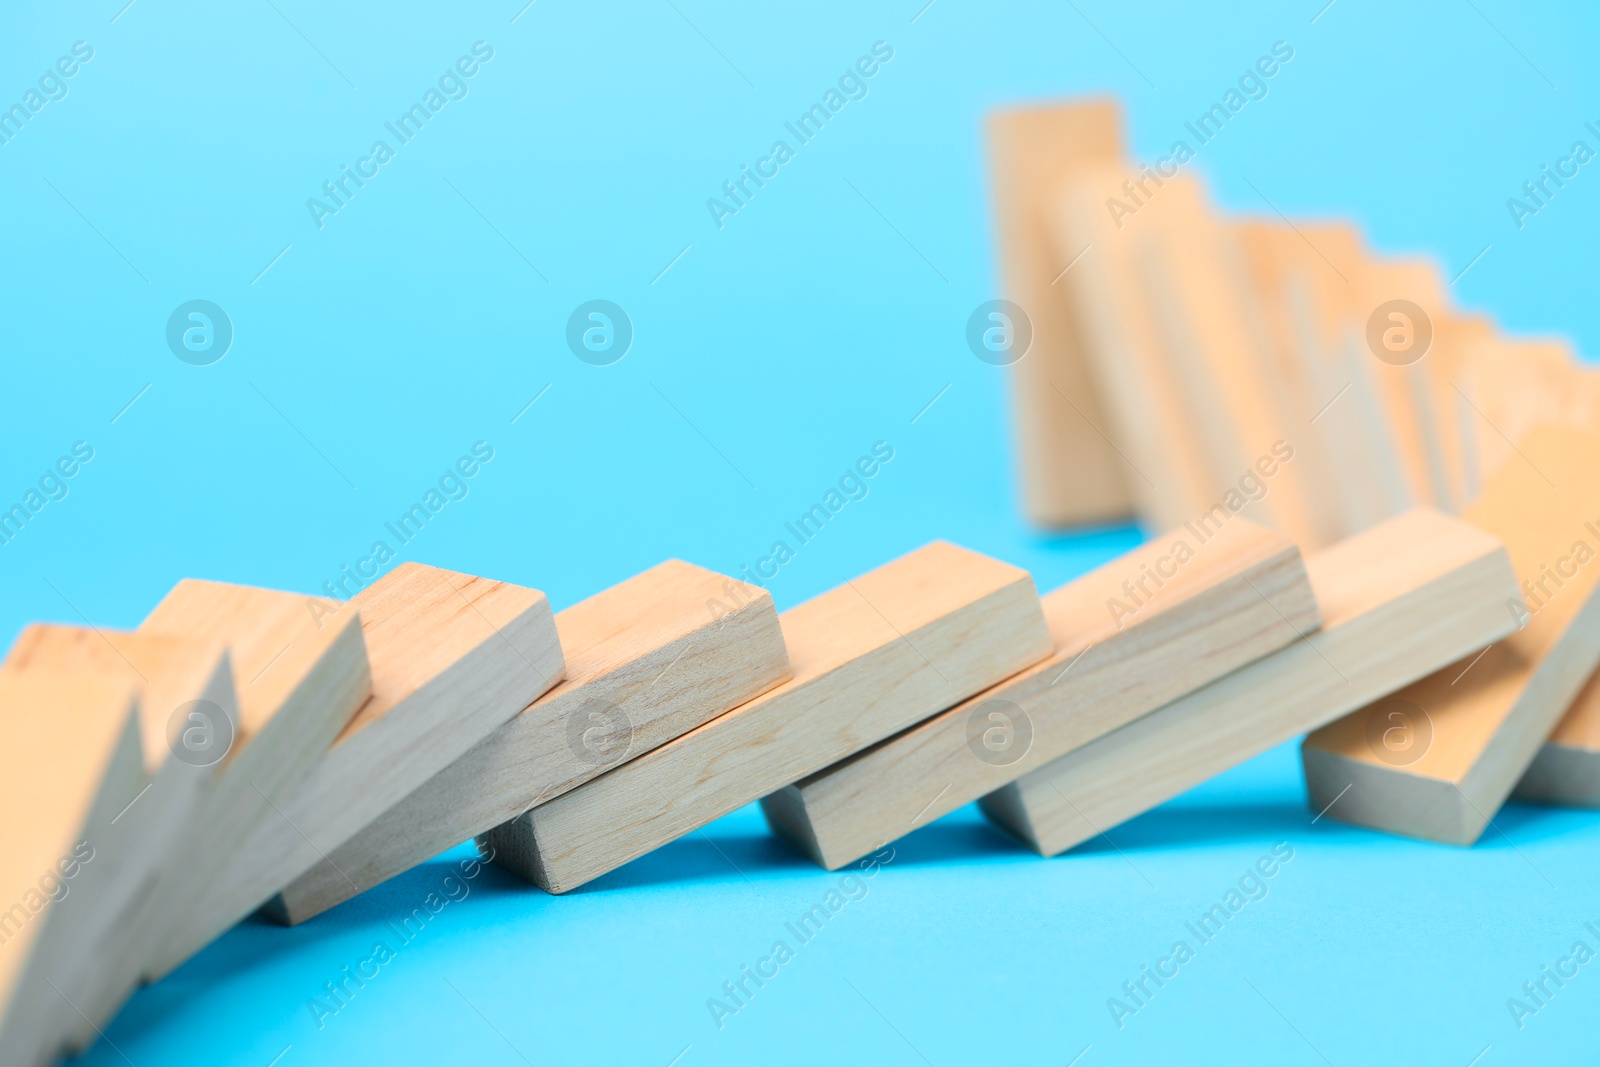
(869, 658)
(187, 711)
(647, 661)
(1070, 473)
(1147, 412)
(302, 673)
(1478, 724)
(1238, 595)
(1567, 768)
(452, 658)
(70, 763)
(1400, 600)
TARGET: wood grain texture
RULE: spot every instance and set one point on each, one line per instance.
(647, 660)
(1467, 733)
(1243, 594)
(1400, 600)
(69, 764)
(452, 658)
(871, 657)
(302, 673)
(176, 679)
(1070, 474)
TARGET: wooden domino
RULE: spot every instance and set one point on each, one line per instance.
(452, 658)
(869, 658)
(1437, 759)
(1195, 611)
(1400, 600)
(647, 660)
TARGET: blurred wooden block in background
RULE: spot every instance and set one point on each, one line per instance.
(1398, 601)
(873, 656)
(1437, 759)
(1240, 594)
(647, 660)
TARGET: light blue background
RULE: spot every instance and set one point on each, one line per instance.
(823, 317)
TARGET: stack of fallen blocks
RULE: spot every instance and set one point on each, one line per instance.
(248, 749)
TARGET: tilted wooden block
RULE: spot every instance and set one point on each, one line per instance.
(187, 712)
(1398, 601)
(1567, 768)
(452, 658)
(647, 660)
(70, 763)
(871, 657)
(302, 673)
(1205, 609)
(1437, 759)
(1070, 473)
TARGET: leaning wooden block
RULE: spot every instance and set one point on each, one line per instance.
(188, 712)
(869, 658)
(69, 765)
(1070, 473)
(452, 658)
(1567, 768)
(1438, 758)
(1129, 636)
(647, 661)
(1401, 600)
(302, 673)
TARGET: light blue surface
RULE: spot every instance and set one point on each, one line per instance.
(823, 317)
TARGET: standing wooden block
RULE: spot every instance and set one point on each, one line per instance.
(647, 661)
(1405, 598)
(1567, 768)
(302, 673)
(1437, 759)
(187, 712)
(1237, 595)
(69, 765)
(1070, 473)
(452, 658)
(869, 658)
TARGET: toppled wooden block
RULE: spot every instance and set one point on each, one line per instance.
(1438, 758)
(302, 673)
(871, 657)
(1399, 601)
(647, 660)
(70, 763)
(452, 658)
(188, 715)
(1137, 632)
(1567, 768)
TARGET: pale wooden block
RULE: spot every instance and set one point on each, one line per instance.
(873, 656)
(1402, 599)
(452, 658)
(302, 673)
(1147, 413)
(1240, 594)
(1483, 721)
(70, 763)
(1070, 474)
(1567, 768)
(186, 693)
(647, 660)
